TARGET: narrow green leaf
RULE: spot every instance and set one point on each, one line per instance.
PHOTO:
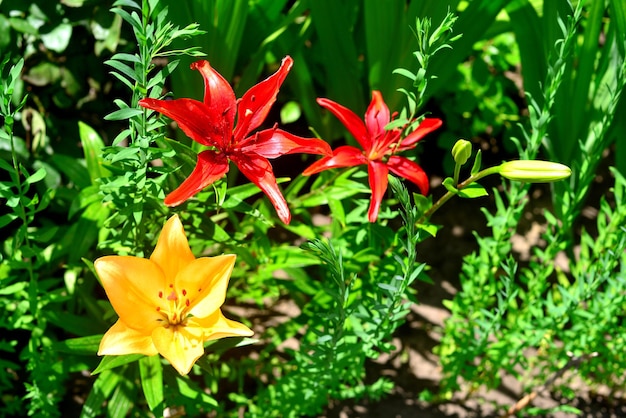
(72, 168)
(36, 176)
(151, 372)
(477, 163)
(122, 399)
(13, 288)
(7, 219)
(123, 114)
(473, 22)
(334, 22)
(126, 57)
(123, 69)
(110, 362)
(617, 10)
(406, 73)
(448, 183)
(472, 191)
(527, 27)
(92, 148)
(100, 391)
(83, 345)
(6, 166)
(131, 18)
(388, 287)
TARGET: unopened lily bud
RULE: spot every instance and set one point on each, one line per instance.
(534, 171)
(461, 151)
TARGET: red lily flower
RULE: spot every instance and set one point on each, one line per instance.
(212, 123)
(379, 148)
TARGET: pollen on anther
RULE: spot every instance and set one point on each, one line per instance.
(187, 302)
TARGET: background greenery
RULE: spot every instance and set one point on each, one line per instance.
(526, 79)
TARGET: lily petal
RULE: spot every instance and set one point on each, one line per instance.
(272, 143)
(218, 326)
(172, 252)
(410, 170)
(195, 118)
(425, 127)
(120, 340)
(378, 183)
(132, 284)
(377, 115)
(259, 171)
(203, 283)
(350, 120)
(344, 156)
(211, 166)
(219, 98)
(180, 345)
(255, 104)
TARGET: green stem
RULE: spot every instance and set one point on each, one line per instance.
(457, 171)
(484, 173)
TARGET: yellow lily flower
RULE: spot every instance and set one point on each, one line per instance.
(168, 304)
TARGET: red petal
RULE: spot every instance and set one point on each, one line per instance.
(259, 171)
(410, 171)
(344, 156)
(272, 143)
(378, 183)
(425, 127)
(350, 120)
(219, 97)
(255, 104)
(195, 119)
(377, 115)
(211, 166)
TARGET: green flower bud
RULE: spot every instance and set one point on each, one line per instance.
(534, 171)
(461, 151)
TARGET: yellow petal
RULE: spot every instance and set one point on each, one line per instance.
(132, 285)
(180, 345)
(120, 339)
(205, 282)
(172, 252)
(218, 326)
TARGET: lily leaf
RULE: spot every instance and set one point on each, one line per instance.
(448, 183)
(472, 191)
(110, 362)
(151, 372)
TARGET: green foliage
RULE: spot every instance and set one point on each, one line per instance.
(504, 312)
(362, 299)
(134, 188)
(326, 293)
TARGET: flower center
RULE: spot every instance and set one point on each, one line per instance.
(173, 307)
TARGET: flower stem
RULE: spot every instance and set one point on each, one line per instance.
(443, 199)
